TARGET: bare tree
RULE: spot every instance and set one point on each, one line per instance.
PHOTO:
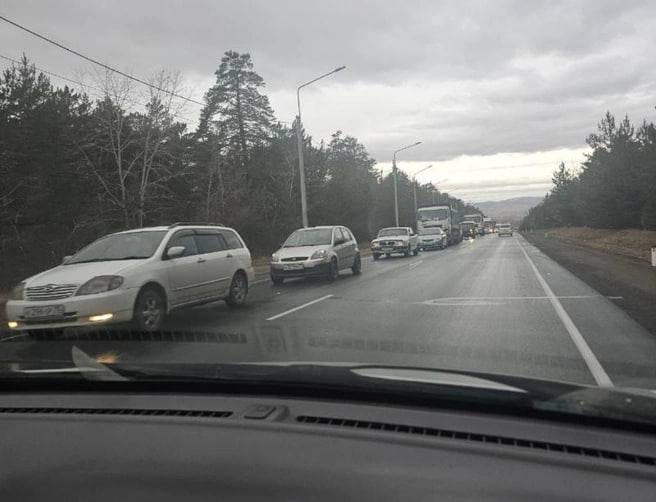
(128, 152)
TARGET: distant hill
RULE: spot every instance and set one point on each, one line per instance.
(510, 210)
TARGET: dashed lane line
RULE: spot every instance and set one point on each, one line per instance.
(286, 312)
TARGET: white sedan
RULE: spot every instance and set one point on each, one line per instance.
(394, 240)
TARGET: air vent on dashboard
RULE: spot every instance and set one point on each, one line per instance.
(479, 438)
(121, 411)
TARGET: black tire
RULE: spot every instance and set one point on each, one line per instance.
(333, 271)
(238, 290)
(277, 280)
(149, 310)
(376, 256)
(387, 255)
(416, 251)
(357, 265)
(407, 252)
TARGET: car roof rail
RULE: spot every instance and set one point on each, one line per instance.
(195, 224)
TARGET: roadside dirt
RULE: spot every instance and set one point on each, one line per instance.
(631, 278)
(631, 242)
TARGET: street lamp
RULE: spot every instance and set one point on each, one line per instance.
(437, 183)
(396, 195)
(299, 139)
(414, 183)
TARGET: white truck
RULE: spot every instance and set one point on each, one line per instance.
(435, 217)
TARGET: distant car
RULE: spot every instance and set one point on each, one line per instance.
(395, 240)
(504, 229)
(316, 252)
(432, 238)
(139, 276)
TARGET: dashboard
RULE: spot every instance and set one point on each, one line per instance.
(121, 446)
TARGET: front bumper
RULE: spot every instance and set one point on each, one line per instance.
(310, 268)
(390, 249)
(77, 310)
(431, 245)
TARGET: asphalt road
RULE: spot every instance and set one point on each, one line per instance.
(493, 305)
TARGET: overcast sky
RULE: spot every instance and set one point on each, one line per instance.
(498, 92)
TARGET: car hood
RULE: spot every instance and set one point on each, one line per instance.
(79, 273)
(300, 251)
(392, 238)
(430, 237)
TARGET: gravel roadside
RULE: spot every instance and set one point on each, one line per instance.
(612, 275)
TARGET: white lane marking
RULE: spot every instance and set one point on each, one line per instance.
(277, 316)
(598, 372)
(512, 298)
(260, 281)
(415, 264)
(12, 337)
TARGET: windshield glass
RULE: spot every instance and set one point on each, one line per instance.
(390, 232)
(310, 237)
(433, 214)
(301, 157)
(431, 231)
(132, 245)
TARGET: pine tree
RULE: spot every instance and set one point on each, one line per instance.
(236, 105)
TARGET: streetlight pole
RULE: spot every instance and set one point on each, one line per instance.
(299, 141)
(396, 193)
(414, 183)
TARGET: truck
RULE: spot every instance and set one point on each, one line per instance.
(489, 225)
(436, 217)
(477, 219)
(468, 229)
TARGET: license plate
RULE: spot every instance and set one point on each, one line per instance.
(387, 250)
(46, 311)
(294, 266)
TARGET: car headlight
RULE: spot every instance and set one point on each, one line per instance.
(100, 284)
(375, 244)
(319, 254)
(275, 258)
(17, 292)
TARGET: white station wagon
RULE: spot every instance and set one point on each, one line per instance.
(139, 276)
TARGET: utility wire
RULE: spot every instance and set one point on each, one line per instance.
(96, 62)
(100, 93)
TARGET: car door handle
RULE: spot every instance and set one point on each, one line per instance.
(200, 260)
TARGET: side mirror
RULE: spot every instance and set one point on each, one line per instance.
(175, 252)
(66, 258)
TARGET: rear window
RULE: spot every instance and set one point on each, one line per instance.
(210, 243)
(231, 239)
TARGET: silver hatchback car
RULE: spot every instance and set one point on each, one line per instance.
(316, 252)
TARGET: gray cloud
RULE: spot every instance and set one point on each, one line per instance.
(512, 76)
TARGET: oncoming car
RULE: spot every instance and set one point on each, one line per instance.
(316, 252)
(395, 240)
(139, 276)
(432, 238)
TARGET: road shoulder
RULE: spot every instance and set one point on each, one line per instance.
(630, 283)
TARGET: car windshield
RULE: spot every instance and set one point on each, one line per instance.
(309, 237)
(391, 232)
(127, 246)
(466, 187)
(433, 214)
